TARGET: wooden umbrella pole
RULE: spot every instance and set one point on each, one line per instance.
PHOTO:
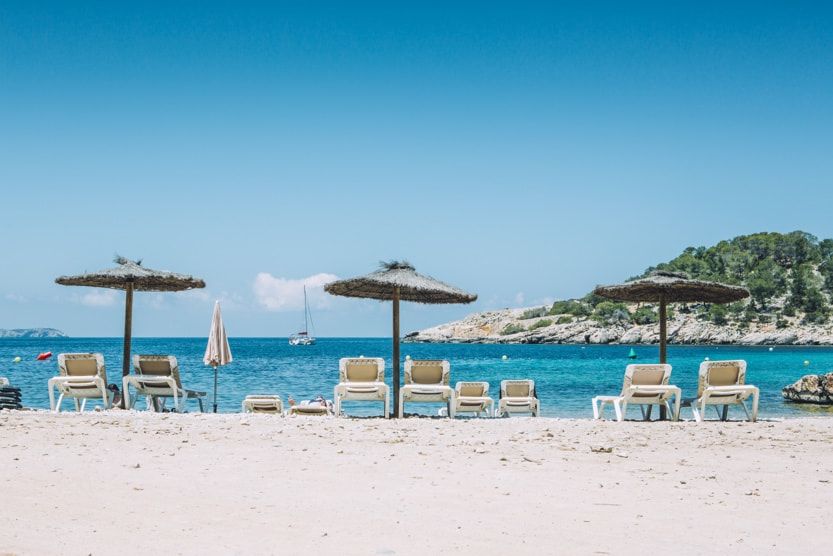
(396, 352)
(663, 330)
(128, 333)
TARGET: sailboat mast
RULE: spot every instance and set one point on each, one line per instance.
(306, 311)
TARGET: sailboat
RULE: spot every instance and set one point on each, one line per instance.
(304, 338)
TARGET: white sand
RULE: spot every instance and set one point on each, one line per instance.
(231, 484)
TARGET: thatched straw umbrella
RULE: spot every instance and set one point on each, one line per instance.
(398, 281)
(131, 276)
(665, 287)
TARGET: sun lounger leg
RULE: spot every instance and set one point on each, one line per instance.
(725, 415)
(60, 401)
(387, 403)
(83, 404)
(756, 394)
(698, 413)
(619, 408)
(678, 394)
(125, 393)
(52, 395)
(401, 405)
(595, 402)
(745, 410)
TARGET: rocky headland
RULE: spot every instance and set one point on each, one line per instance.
(491, 327)
(31, 333)
(789, 278)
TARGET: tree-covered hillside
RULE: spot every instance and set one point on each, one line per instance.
(787, 274)
(790, 277)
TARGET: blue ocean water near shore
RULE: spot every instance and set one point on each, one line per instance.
(567, 376)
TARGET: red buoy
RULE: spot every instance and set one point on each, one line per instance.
(44, 356)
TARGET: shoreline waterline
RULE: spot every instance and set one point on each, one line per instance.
(566, 376)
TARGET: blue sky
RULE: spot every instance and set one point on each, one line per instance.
(521, 151)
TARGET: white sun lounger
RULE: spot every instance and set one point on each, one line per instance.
(310, 408)
(722, 383)
(645, 386)
(157, 378)
(517, 396)
(427, 381)
(473, 397)
(82, 377)
(263, 403)
(361, 379)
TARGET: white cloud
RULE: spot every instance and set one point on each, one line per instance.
(287, 294)
(519, 298)
(99, 298)
(16, 297)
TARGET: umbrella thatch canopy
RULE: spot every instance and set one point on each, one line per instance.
(398, 281)
(665, 287)
(131, 276)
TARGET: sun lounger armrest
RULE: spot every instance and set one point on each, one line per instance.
(734, 388)
(149, 379)
(97, 380)
(658, 389)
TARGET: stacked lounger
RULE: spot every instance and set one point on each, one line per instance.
(9, 396)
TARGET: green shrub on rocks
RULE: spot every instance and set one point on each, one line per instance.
(512, 328)
(535, 313)
(543, 323)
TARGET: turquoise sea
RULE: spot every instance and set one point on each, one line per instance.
(567, 377)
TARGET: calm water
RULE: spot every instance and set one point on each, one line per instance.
(566, 376)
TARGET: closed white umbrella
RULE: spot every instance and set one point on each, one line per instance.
(217, 352)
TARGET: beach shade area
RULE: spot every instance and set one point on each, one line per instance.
(664, 287)
(131, 276)
(217, 352)
(398, 281)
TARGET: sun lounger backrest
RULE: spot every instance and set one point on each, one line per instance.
(646, 375)
(517, 389)
(361, 369)
(721, 373)
(473, 389)
(427, 372)
(81, 364)
(157, 365)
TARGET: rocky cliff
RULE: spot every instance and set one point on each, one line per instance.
(507, 326)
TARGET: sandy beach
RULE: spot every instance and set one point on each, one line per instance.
(100, 483)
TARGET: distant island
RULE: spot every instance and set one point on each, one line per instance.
(31, 333)
(789, 276)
